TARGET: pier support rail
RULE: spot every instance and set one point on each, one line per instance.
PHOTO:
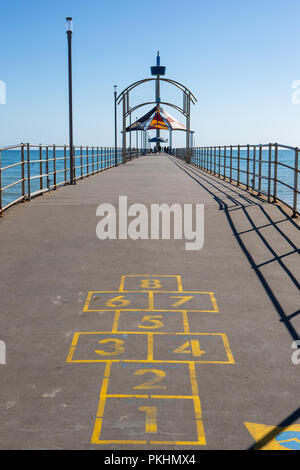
(29, 170)
(270, 169)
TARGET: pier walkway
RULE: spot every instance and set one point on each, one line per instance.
(129, 344)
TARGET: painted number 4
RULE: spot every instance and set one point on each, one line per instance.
(190, 347)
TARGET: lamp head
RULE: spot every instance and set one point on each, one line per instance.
(69, 25)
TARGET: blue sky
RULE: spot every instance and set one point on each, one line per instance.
(239, 58)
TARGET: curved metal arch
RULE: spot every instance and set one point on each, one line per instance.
(154, 102)
(172, 82)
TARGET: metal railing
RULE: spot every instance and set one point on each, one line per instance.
(28, 170)
(269, 169)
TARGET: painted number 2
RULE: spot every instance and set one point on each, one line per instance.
(159, 375)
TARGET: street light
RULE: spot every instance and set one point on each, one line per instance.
(69, 29)
(116, 137)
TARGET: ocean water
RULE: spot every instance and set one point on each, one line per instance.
(285, 176)
(14, 174)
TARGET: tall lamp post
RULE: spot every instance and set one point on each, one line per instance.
(116, 136)
(69, 28)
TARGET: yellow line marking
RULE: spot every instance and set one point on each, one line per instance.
(150, 347)
(121, 288)
(101, 405)
(116, 321)
(120, 442)
(197, 404)
(214, 302)
(179, 284)
(147, 333)
(173, 397)
(169, 397)
(73, 347)
(193, 378)
(227, 349)
(87, 302)
(144, 361)
(126, 396)
(150, 300)
(104, 390)
(179, 443)
(185, 320)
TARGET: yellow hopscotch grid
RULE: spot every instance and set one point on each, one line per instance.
(230, 359)
(191, 364)
(197, 410)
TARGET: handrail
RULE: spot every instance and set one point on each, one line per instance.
(30, 170)
(256, 166)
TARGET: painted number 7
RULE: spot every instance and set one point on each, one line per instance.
(182, 299)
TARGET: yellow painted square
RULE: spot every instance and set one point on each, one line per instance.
(114, 300)
(193, 347)
(149, 321)
(106, 346)
(191, 301)
(150, 380)
(152, 282)
(126, 421)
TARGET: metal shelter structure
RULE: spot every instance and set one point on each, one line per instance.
(123, 98)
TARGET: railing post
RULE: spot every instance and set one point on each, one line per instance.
(219, 172)
(254, 167)
(238, 168)
(65, 163)
(23, 172)
(215, 160)
(275, 173)
(28, 173)
(248, 167)
(230, 179)
(296, 171)
(81, 163)
(41, 167)
(47, 167)
(259, 169)
(224, 172)
(269, 172)
(54, 166)
(87, 162)
(97, 159)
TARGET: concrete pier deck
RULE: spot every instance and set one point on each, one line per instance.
(140, 344)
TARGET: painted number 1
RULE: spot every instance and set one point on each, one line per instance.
(151, 418)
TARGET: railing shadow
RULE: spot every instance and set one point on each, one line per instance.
(231, 199)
